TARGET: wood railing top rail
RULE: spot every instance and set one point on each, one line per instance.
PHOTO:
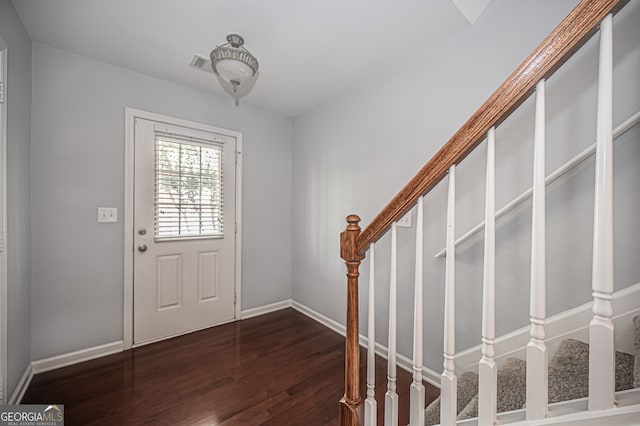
(558, 47)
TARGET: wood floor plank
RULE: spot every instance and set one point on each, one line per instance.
(281, 368)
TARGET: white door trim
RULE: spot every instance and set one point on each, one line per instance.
(130, 115)
(3, 231)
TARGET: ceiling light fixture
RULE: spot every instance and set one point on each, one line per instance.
(235, 66)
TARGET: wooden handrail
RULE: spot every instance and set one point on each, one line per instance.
(558, 47)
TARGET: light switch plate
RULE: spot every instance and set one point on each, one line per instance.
(405, 222)
(107, 214)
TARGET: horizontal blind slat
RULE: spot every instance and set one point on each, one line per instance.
(188, 185)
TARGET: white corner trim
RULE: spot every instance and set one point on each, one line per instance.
(572, 323)
(265, 309)
(22, 386)
(403, 361)
(317, 316)
(64, 360)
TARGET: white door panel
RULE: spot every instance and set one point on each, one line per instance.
(184, 225)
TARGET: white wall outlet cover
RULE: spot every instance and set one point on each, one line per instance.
(405, 222)
(107, 214)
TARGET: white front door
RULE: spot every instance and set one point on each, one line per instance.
(184, 230)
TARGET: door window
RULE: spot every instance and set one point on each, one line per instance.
(188, 198)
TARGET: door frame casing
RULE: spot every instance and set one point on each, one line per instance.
(129, 201)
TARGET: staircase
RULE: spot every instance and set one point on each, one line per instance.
(568, 379)
(581, 384)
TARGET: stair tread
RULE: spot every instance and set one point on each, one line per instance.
(569, 371)
(467, 389)
(568, 379)
(512, 389)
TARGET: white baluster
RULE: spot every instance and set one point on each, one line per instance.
(370, 405)
(448, 381)
(537, 390)
(488, 371)
(417, 395)
(601, 337)
(391, 397)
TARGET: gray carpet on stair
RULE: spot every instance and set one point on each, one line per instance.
(467, 389)
(568, 379)
(569, 371)
(636, 368)
(512, 389)
(470, 411)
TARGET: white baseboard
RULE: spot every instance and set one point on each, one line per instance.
(75, 357)
(403, 362)
(22, 386)
(261, 310)
(317, 316)
(65, 360)
(573, 323)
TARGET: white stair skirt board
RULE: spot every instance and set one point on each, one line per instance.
(22, 386)
(430, 376)
(265, 309)
(573, 323)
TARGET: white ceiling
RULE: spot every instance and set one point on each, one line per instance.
(308, 50)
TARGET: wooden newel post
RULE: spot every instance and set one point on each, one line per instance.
(351, 402)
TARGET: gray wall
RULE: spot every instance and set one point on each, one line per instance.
(14, 37)
(77, 158)
(354, 153)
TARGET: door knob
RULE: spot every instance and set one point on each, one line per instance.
(142, 248)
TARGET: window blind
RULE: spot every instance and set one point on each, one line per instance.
(188, 188)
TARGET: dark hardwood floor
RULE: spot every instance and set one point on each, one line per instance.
(281, 368)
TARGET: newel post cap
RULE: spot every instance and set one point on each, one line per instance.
(352, 222)
(348, 239)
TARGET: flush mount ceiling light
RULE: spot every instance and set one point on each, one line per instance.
(234, 65)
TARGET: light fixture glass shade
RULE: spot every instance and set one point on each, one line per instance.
(233, 63)
(231, 70)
